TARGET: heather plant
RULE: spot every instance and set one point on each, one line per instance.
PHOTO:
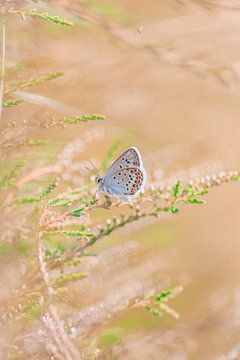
(59, 225)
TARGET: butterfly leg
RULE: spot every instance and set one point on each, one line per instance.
(97, 194)
(95, 197)
(109, 199)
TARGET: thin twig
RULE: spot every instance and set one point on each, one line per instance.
(2, 63)
(31, 176)
(62, 340)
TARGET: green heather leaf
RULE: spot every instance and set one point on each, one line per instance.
(28, 200)
(10, 179)
(72, 120)
(74, 262)
(164, 294)
(58, 202)
(150, 309)
(202, 192)
(190, 190)
(169, 293)
(35, 81)
(78, 119)
(55, 248)
(32, 309)
(47, 17)
(36, 199)
(37, 142)
(63, 279)
(76, 214)
(77, 211)
(195, 201)
(236, 177)
(77, 233)
(154, 311)
(89, 254)
(174, 210)
(177, 189)
(12, 102)
(53, 184)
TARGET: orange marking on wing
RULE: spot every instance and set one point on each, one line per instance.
(138, 179)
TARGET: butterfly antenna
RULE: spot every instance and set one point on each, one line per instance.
(94, 169)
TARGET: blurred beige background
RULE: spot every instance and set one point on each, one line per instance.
(167, 76)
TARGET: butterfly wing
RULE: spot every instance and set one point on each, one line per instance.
(125, 182)
(130, 158)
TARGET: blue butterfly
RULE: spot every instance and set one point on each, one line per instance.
(126, 176)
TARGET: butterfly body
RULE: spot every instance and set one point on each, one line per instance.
(126, 176)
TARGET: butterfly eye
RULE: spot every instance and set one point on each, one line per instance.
(98, 179)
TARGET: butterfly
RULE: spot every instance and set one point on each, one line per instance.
(125, 177)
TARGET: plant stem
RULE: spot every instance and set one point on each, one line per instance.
(2, 63)
(52, 320)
